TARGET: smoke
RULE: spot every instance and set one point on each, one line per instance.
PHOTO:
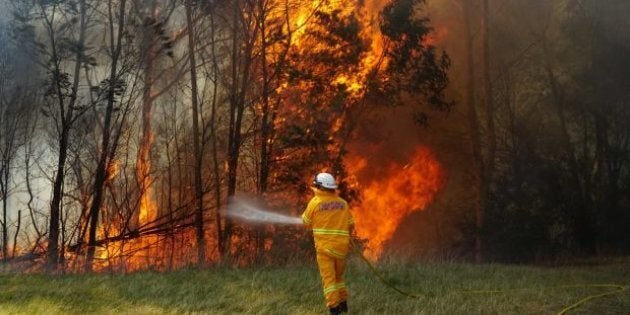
(248, 210)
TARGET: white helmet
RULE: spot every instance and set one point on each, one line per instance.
(325, 180)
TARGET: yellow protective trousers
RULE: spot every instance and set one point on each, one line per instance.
(331, 269)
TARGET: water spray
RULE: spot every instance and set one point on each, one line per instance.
(243, 209)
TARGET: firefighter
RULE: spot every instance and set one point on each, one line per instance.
(328, 216)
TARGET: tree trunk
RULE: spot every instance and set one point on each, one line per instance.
(213, 138)
(52, 254)
(29, 190)
(5, 232)
(201, 242)
(264, 126)
(475, 132)
(106, 150)
(17, 232)
(237, 106)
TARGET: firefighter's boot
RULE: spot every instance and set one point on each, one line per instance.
(335, 310)
(343, 307)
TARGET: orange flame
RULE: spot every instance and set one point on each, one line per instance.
(135, 253)
(399, 190)
(388, 199)
(367, 13)
(147, 214)
(148, 209)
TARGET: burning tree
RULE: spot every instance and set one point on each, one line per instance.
(279, 91)
(156, 113)
(370, 68)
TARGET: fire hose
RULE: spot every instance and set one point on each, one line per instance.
(615, 288)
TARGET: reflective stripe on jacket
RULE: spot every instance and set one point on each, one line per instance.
(329, 217)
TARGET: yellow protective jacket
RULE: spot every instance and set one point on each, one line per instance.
(329, 217)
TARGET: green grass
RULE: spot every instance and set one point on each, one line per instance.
(296, 290)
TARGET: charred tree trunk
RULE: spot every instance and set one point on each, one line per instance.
(264, 124)
(9, 139)
(100, 177)
(240, 62)
(169, 206)
(201, 242)
(213, 138)
(8, 133)
(29, 189)
(233, 132)
(5, 232)
(28, 153)
(55, 205)
(67, 117)
(17, 232)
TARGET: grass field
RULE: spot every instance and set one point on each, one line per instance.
(296, 290)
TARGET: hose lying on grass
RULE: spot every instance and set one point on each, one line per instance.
(615, 288)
